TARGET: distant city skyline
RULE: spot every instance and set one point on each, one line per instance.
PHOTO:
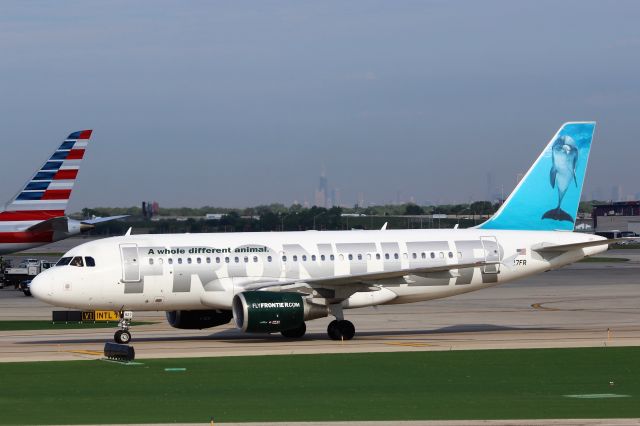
(235, 105)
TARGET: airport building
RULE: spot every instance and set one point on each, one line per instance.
(620, 215)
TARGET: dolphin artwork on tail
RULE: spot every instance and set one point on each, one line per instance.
(564, 158)
(548, 195)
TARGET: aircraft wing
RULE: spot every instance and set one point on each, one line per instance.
(343, 280)
(555, 248)
(61, 224)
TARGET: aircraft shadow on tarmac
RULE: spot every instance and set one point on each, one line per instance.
(236, 336)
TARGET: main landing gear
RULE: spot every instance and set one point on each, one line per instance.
(123, 335)
(341, 330)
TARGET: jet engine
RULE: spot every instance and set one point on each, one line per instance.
(198, 319)
(271, 312)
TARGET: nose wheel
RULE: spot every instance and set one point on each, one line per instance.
(123, 336)
(341, 330)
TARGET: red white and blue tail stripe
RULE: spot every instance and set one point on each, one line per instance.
(47, 193)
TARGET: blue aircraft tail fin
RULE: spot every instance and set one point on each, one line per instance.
(547, 197)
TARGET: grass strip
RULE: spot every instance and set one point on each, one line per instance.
(490, 384)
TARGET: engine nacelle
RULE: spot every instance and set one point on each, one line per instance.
(271, 312)
(197, 320)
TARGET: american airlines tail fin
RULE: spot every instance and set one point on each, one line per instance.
(547, 197)
(47, 193)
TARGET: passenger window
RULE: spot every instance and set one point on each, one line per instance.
(255, 259)
(284, 258)
(226, 259)
(395, 256)
(89, 261)
(170, 261)
(150, 261)
(198, 260)
(350, 257)
(217, 260)
(415, 256)
(180, 260)
(359, 256)
(160, 261)
(377, 256)
(295, 257)
(405, 256)
(64, 261)
(246, 259)
(237, 259)
(433, 255)
(342, 257)
(332, 257)
(450, 255)
(322, 257)
(304, 257)
(441, 255)
(368, 256)
(313, 257)
(269, 258)
(77, 261)
(208, 260)
(189, 260)
(424, 255)
(386, 256)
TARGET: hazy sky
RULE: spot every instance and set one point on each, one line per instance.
(233, 103)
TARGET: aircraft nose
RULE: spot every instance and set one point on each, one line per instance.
(42, 286)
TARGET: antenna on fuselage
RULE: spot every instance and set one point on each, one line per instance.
(128, 231)
(384, 227)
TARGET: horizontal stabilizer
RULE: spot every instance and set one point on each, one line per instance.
(64, 224)
(97, 220)
(60, 223)
(555, 248)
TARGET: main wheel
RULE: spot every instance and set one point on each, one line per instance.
(334, 331)
(122, 337)
(295, 333)
(347, 330)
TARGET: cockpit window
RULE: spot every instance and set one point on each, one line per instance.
(64, 261)
(89, 261)
(77, 261)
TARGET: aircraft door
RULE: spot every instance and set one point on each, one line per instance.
(491, 254)
(130, 263)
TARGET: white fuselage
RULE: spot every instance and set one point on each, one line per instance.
(204, 271)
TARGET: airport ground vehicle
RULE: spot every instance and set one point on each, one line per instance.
(26, 270)
(275, 282)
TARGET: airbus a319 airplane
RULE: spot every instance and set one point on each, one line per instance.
(36, 214)
(274, 282)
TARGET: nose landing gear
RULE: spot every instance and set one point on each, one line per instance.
(123, 336)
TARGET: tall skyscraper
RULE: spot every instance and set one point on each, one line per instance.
(322, 192)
